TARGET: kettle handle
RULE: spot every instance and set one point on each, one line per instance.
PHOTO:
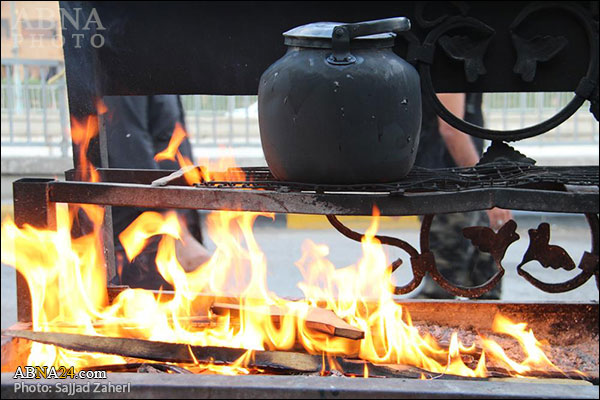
(341, 35)
(397, 24)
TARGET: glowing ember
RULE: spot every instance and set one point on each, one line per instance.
(67, 280)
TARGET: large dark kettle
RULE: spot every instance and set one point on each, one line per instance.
(340, 106)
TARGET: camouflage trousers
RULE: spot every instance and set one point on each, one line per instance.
(456, 258)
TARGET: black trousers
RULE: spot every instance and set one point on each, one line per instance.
(456, 258)
(137, 128)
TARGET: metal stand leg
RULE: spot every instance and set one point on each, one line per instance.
(32, 206)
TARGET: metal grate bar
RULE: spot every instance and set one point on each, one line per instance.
(424, 180)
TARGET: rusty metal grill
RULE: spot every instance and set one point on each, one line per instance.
(495, 175)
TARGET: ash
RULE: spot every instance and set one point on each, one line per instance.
(574, 352)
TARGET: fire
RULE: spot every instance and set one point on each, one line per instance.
(390, 336)
(535, 356)
(82, 134)
(67, 280)
(192, 175)
(238, 367)
(172, 149)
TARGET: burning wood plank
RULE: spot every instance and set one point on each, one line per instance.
(291, 362)
(174, 178)
(184, 353)
(319, 319)
(123, 323)
(171, 352)
(143, 367)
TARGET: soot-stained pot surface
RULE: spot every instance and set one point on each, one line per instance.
(340, 106)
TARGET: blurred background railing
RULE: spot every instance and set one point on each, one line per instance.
(34, 107)
(35, 114)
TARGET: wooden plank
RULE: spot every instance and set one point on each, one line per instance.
(171, 352)
(318, 319)
(553, 321)
(289, 362)
(270, 360)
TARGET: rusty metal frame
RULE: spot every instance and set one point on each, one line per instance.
(35, 199)
(137, 195)
(132, 188)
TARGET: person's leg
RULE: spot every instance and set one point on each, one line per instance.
(164, 113)
(452, 252)
(482, 265)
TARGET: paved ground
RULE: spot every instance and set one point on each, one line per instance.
(283, 247)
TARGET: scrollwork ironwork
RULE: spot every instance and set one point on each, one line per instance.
(553, 256)
(468, 50)
(496, 244)
(534, 50)
(471, 49)
(484, 239)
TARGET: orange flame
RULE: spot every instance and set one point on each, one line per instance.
(179, 134)
(67, 284)
(191, 175)
(82, 132)
(101, 107)
(535, 356)
(67, 280)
